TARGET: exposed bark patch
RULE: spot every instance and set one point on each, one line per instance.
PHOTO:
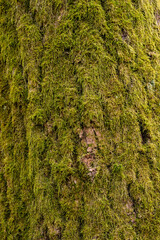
(125, 36)
(59, 17)
(89, 137)
(157, 16)
(129, 208)
(48, 128)
(88, 159)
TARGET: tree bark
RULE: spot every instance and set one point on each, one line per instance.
(79, 119)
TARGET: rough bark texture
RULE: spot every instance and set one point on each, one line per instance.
(79, 119)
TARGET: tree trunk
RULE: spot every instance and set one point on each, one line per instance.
(79, 119)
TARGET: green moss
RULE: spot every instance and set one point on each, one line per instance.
(79, 110)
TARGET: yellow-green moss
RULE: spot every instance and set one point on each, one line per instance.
(79, 115)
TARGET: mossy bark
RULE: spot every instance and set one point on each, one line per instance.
(79, 119)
